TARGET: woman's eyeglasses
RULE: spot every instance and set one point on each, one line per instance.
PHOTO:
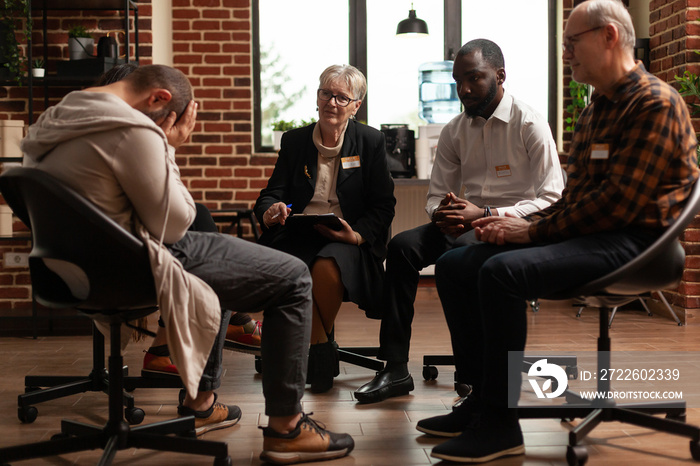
(340, 99)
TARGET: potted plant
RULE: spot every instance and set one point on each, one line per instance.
(11, 62)
(80, 43)
(38, 70)
(280, 126)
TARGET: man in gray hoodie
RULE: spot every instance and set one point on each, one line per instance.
(110, 144)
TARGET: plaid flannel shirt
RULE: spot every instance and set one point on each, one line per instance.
(649, 170)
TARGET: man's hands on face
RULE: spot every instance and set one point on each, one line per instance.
(502, 230)
(454, 215)
(178, 131)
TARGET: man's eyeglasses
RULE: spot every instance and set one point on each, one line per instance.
(570, 42)
(340, 99)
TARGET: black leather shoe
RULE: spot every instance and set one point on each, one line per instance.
(382, 387)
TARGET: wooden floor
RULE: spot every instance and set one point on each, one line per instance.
(384, 433)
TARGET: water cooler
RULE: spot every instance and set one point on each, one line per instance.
(438, 103)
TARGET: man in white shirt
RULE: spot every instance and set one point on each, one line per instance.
(501, 152)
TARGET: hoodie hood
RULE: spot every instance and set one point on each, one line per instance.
(70, 119)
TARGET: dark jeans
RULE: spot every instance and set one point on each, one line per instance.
(408, 253)
(483, 289)
(249, 278)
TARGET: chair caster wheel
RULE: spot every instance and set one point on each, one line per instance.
(258, 365)
(223, 461)
(576, 455)
(134, 415)
(695, 450)
(430, 372)
(27, 415)
(463, 389)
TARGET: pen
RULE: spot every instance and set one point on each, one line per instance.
(289, 206)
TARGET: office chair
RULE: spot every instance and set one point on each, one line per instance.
(40, 388)
(106, 276)
(659, 267)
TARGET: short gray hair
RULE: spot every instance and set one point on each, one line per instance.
(602, 12)
(352, 77)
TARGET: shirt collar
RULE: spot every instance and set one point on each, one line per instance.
(502, 111)
(626, 84)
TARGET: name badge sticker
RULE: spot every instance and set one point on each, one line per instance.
(350, 162)
(600, 151)
(503, 170)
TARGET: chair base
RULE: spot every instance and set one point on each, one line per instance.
(636, 414)
(362, 357)
(115, 436)
(639, 414)
(59, 386)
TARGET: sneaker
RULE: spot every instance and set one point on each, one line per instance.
(238, 339)
(309, 441)
(465, 414)
(158, 366)
(219, 416)
(483, 443)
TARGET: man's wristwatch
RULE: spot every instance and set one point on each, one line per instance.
(487, 211)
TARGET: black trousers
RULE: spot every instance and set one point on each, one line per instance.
(408, 253)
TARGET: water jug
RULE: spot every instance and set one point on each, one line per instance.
(437, 92)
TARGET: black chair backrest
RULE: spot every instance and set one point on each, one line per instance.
(66, 227)
(659, 267)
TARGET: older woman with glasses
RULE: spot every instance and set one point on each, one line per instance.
(336, 166)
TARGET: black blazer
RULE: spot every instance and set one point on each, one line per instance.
(365, 193)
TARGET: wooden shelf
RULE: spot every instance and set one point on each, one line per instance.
(81, 4)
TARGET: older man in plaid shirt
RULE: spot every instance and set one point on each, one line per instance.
(631, 167)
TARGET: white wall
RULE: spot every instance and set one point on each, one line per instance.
(162, 23)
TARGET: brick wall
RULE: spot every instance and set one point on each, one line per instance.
(212, 43)
(15, 284)
(675, 35)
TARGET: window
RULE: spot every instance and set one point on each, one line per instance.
(393, 61)
(523, 36)
(297, 41)
(294, 41)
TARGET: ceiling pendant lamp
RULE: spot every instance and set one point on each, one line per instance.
(412, 24)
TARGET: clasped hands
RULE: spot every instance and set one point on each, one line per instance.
(278, 213)
(455, 216)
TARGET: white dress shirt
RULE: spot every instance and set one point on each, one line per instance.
(509, 161)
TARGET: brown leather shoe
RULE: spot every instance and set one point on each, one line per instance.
(309, 441)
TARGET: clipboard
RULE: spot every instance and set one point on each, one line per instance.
(307, 221)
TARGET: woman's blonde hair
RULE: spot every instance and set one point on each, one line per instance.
(348, 74)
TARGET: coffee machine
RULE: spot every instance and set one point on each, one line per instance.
(400, 150)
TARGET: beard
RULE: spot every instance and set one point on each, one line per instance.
(478, 109)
